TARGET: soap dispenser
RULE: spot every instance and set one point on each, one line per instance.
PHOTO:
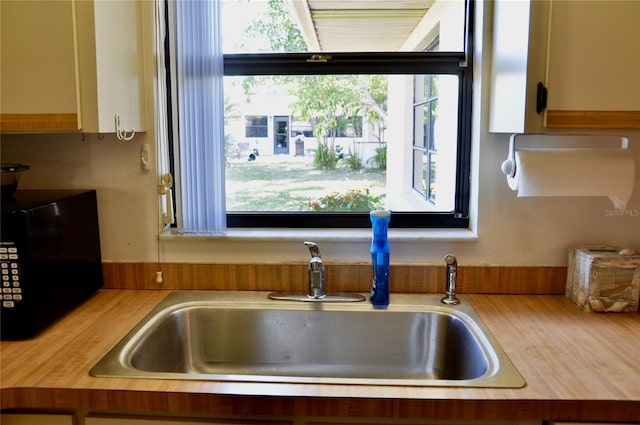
(380, 258)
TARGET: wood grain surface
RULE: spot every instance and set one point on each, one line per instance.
(578, 366)
(593, 119)
(38, 122)
(339, 277)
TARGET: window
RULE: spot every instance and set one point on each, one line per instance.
(256, 126)
(350, 126)
(330, 124)
(425, 153)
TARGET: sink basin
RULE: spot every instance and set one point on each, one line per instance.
(243, 336)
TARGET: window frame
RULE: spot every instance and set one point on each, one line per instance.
(367, 63)
(398, 63)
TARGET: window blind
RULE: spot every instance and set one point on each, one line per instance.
(199, 73)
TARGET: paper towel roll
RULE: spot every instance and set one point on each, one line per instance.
(574, 172)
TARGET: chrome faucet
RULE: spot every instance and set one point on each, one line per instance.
(452, 270)
(316, 272)
(316, 293)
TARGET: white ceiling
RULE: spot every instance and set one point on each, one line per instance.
(357, 25)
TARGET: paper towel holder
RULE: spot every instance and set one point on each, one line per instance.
(508, 166)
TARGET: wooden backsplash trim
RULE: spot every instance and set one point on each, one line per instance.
(340, 277)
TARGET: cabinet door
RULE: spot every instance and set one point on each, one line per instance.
(35, 419)
(38, 66)
(139, 421)
(175, 421)
(111, 55)
(518, 64)
(593, 76)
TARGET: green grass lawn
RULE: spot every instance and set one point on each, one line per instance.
(284, 183)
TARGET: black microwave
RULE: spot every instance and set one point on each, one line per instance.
(50, 257)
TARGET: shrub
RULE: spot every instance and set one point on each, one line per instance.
(380, 158)
(325, 157)
(354, 160)
(352, 200)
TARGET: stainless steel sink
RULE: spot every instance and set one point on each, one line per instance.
(243, 336)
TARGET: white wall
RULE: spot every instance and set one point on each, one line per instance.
(126, 201)
(510, 230)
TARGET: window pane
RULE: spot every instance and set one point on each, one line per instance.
(269, 26)
(326, 143)
(420, 175)
(433, 162)
(430, 124)
(256, 126)
(422, 126)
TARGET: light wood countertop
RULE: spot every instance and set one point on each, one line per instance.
(577, 365)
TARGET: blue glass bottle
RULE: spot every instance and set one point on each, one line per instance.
(380, 258)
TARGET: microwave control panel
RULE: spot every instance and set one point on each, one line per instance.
(10, 272)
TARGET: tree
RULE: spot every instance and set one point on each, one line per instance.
(321, 99)
(278, 28)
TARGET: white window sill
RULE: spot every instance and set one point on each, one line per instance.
(333, 235)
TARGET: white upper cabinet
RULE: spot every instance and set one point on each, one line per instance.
(111, 55)
(38, 67)
(585, 54)
(594, 64)
(518, 65)
(72, 65)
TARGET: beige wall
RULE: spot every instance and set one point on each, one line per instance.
(510, 230)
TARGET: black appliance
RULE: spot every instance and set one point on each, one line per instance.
(49, 257)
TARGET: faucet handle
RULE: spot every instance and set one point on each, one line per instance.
(316, 264)
(316, 272)
(451, 260)
(313, 249)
